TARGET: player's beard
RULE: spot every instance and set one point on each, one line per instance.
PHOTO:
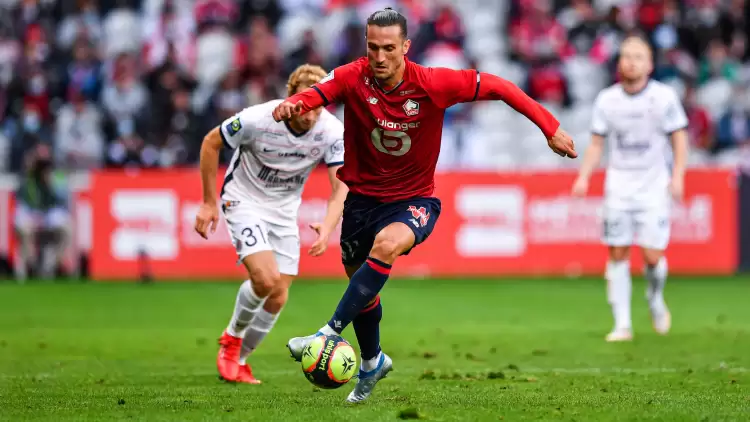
(389, 80)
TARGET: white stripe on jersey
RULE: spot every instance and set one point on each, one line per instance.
(637, 128)
(271, 164)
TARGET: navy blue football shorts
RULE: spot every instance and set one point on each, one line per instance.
(364, 217)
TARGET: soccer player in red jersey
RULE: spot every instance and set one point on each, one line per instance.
(392, 132)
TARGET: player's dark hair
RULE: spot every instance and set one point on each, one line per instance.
(388, 17)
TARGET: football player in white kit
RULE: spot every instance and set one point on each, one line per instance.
(639, 118)
(260, 197)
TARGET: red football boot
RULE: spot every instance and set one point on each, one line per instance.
(246, 375)
(229, 355)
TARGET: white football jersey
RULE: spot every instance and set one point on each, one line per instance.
(271, 163)
(637, 129)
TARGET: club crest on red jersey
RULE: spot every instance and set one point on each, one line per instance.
(411, 107)
(421, 216)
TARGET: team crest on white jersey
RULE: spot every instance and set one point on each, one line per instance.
(411, 107)
(372, 100)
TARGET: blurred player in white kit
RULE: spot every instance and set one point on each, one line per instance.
(639, 118)
(260, 198)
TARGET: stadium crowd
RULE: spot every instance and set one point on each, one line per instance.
(116, 83)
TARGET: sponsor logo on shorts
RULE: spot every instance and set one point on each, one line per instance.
(420, 216)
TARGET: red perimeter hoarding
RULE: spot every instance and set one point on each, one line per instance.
(491, 224)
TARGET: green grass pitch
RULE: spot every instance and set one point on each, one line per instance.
(463, 350)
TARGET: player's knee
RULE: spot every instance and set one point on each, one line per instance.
(651, 257)
(265, 281)
(619, 253)
(276, 300)
(385, 249)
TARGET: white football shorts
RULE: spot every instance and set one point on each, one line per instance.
(251, 234)
(645, 228)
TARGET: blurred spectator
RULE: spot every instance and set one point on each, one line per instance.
(122, 32)
(183, 131)
(537, 37)
(84, 24)
(79, 141)
(267, 9)
(733, 129)
(350, 45)
(306, 53)
(84, 72)
(169, 35)
(734, 24)
(717, 63)
(583, 28)
(32, 131)
(444, 27)
(10, 55)
(42, 219)
(125, 97)
(128, 149)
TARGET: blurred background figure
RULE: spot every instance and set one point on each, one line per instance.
(42, 219)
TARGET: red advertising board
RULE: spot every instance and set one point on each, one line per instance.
(491, 224)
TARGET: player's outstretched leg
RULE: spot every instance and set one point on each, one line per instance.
(656, 275)
(619, 288)
(375, 364)
(364, 285)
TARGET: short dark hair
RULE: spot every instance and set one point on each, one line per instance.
(388, 17)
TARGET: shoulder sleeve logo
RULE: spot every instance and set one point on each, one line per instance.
(234, 126)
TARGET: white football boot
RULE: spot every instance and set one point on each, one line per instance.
(366, 380)
(297, 345)
(619, 335)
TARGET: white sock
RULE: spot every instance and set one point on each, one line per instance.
(371, 364)
(260, 326)
(245, 306)
(328, 331)
(619, 291)
(657, 279)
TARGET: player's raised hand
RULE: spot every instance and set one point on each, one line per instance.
(321, 243)
(206, 219)
(287, 110)
(562, 144)
(580, 186)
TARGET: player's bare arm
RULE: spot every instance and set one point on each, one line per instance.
(208, 213)
(591, 159)
(334, 211)
(680, 150)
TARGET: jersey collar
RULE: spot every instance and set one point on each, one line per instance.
(639, 92)
(395, 87)
(294, 132)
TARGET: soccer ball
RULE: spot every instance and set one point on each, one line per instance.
(329, 362)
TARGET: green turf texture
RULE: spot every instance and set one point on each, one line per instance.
(463, 350)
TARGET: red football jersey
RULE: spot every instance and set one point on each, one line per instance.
(392, 138)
